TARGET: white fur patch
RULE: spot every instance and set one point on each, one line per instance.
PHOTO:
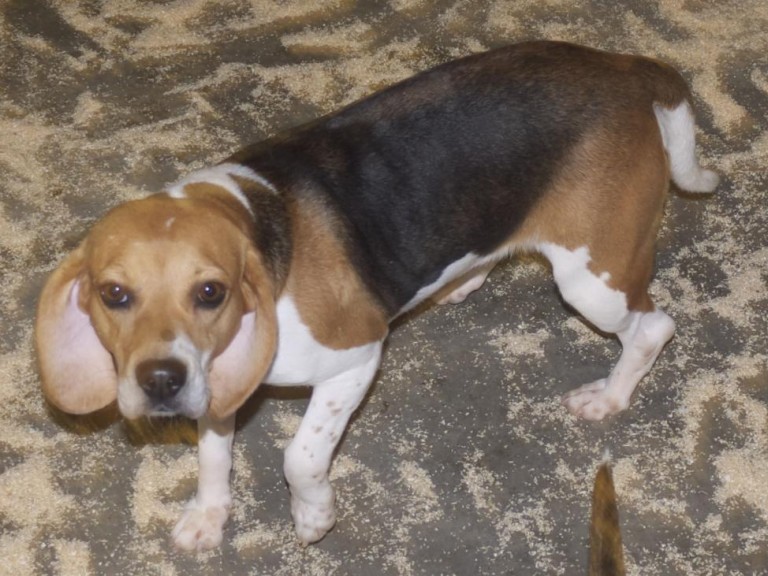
(642, 334)
(602, 305)
(195, 395)
(678, 133)
(200, 526)
(221, 175)
(340, 379)
(642, 341)
(308, 456)
(302, 360)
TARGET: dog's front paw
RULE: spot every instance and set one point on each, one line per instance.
(594, 401)
(200, 528)
(313, 520)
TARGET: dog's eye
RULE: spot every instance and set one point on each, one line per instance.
(211, 294)
(115, 296)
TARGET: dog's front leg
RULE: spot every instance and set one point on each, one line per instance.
(201, 525)
(308, 456)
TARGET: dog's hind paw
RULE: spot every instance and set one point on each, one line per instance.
(594, 401)
(200, 528)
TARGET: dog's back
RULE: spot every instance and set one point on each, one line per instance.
(454, 160)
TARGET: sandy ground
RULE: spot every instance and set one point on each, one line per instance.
(461, 461)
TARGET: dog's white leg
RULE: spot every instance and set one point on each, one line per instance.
(201, 525)
(642, 334)
(473, 281)
(308, 456)
(642, 342)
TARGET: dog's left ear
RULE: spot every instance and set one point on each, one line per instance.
(237, 372)
(77, 373)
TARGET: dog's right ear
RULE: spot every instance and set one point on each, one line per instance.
(77, 372)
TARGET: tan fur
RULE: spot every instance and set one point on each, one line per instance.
(166, 262)
(610, 198)
(606, 554)
(223, 201)
(331, 299)
(158, 246)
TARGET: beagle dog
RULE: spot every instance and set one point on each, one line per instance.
(285, 263)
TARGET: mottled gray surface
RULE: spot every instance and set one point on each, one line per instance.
(461, 461)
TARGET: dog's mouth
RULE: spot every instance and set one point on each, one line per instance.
(164, 410)
(147, 407)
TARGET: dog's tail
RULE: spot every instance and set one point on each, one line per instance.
(606, 554)
(678, 132)
(672, 106)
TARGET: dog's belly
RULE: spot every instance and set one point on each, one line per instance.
(302, 360)
(461, 267)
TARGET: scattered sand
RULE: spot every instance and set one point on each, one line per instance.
(481, 483)
(515, 343)
(77, 141)
(348, 39)
(73, 558)
(742, 476)
(28, 495)
(156, 480)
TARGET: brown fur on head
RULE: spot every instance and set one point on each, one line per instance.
(159, 278)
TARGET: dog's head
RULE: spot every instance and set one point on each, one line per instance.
(166, 306)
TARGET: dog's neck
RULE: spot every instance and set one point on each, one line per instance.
(270, 225)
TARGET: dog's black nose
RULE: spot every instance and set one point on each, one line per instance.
(161, 379)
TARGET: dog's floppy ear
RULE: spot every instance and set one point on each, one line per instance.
(237, 372)
(77, 372)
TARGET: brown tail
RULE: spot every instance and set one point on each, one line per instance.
(606, 555)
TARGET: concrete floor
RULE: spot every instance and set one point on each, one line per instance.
(461, 460)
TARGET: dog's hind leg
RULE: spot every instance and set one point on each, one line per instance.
(598, 229)
(457, 291)
(642, 329)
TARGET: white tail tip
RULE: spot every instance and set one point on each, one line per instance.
(678, 133)
(705, 181)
